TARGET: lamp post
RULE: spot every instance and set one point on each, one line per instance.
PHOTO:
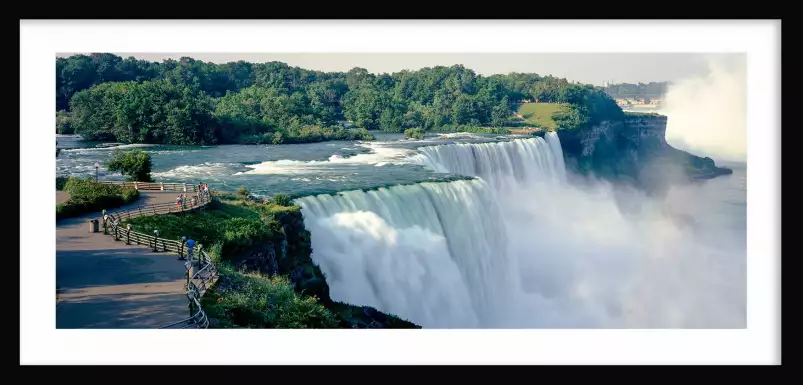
(97, 165)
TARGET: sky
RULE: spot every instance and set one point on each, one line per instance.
(590, 68)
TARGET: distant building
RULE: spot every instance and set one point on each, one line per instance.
(346, 123)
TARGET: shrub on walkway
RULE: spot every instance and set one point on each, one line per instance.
(87, 196)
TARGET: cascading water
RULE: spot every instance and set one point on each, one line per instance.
(431, 252)
(519, 247)
(527, 160)
(435, 253)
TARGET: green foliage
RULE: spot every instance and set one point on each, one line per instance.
(232, 228)
(87, 196)
(135, 165)
(414, 133)
(60, 182)
(570, 117)
(156, 111)
(253, 300)
(281, 200)
(63, 124)
(243, 193)
(194, 102)
(474, 129)
(306, 134)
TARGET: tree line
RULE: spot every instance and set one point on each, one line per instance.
(629, 90)
(187, 101)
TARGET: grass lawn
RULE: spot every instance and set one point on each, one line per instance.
(539, 114)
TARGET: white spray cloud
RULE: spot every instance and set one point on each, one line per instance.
(708, 114)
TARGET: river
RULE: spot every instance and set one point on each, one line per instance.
(519, 247)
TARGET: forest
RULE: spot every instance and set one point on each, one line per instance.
(106, 97)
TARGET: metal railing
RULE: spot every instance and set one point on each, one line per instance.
(197, 284)
(197, 281)
(155, 186)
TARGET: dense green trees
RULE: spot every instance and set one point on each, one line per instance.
(413, 133)
(134, 164)
(186, 101)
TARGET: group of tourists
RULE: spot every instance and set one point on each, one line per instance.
(180, 201)
(203, 190)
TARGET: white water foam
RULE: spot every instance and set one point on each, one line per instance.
(520, 248)
(206, 169)
(106, 147)
(379, 156)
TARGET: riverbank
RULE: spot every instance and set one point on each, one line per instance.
(267, 276)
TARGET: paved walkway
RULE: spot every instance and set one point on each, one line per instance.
(103, 283)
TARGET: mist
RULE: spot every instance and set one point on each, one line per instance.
(528, 250)
(677, 262)
(707, 114)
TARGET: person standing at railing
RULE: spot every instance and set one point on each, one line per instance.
(190, 249)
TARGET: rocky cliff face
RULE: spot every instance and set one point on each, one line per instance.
(634, 151)
(290, 255)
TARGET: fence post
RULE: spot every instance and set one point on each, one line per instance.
(181, 248)
(117, 232)
(185, 187)
(128, 235)
(155, 239)
(162, 185)
(136, 186)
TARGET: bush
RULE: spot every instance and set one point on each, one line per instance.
(60, 182)
(253, 300)
(414, 133)
(63, 124)
(243, 193)
(135, 165)
(281, 200)
(87, 196)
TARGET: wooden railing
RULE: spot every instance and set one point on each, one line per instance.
(201, 271)
(156, 186)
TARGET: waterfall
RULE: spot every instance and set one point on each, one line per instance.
(520, 248)
(430, 252)
(435, 253)
(523, 161)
